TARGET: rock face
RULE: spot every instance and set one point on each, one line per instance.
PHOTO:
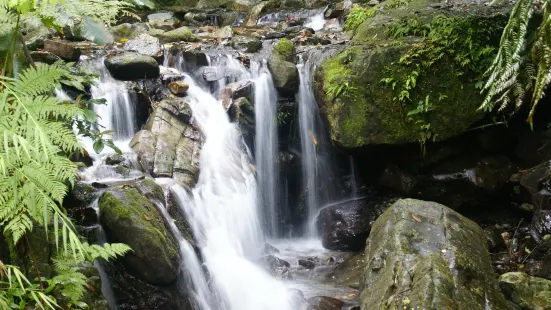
(168, 146)
(362, 110)
(424, 255)
(284, 72)
(132, 66)
(246, 44)
(345, 226)
(525, 291)
(130, 218)
(324, 303)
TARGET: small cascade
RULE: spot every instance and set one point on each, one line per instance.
(222, 212)
(266, 145)
(316, 22)
(317, 170)
(353, 181)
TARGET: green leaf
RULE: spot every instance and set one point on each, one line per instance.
(98, 146)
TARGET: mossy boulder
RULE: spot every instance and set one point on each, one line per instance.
(423, 255)
(284, 72)
(132, 66)
(394, 86)
(177, 35)
(525, 291)
(130, 218)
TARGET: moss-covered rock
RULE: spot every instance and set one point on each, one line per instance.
(367, 92)
(423, 255)
(177, 35)
(284, 72)
(132, 66)
(525, 291)
(130, 218)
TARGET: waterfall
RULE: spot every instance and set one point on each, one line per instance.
(317, 170)
(118, 114)
(266, 144)
(223, 215)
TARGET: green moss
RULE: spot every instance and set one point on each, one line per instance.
(284, 50)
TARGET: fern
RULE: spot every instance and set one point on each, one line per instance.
(357, 16)
(522, 68)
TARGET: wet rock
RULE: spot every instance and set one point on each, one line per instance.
(114, 159)
(243, 88)
(541, 224)
(130, 66)
(297, 298)
(295, 30)
(276, 266)
(542, 200)
(494, 238)
(63, 49)
(349, 273)
(168, 146)
(195, 58)
(145, 44)
(324, 303)
(275, 35)
(335, 10)
(426, 249)
(241, 111)
(212, 4)
(307, 263)
(525, 291)
(128, 31)
(246, 44)
(130, 218)
(284, 72)
(254, 14)
(177, 35)
(163, 21)
(35, 34)
(270, 249)
(178, 88)
(535, 178)
(345, 226)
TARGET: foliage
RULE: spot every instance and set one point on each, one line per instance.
(357, 16)
(16, 290)
(522, 67)
(463, 42)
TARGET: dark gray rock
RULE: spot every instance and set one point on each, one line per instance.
(63, 49)
(132, 66)
(145, 44)
(324, 303)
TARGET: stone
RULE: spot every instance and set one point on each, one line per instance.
(130, 66)
(307, 263)
(254, 14)
(246, 44)
(541, 224)
(285, 75)
(214, 4)
(35, 34)
(146, 45)
(394, 178)
(276, 266)
(349, 273)
(130, 218)
(223, 33)
(324, 303)
(418, 249)
(163, 21)
(45, 57)
(243, 88)
(168, 146)
(114, 159)
(63, 49)
(178, 88)
(345, 226)
(180, 34)
(525, 291)
(363, 114)
(532, 180)
(195, 58)
(127, 31)
(275, 35)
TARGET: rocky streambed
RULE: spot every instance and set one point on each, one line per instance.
(463, 222)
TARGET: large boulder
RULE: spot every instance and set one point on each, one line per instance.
(132, 66)
(284, 72)
(246, 44)
(127, 31)
(345, 226)
(163, 21)
(423, 255)
(130, 218)
(387, 88)
(168, 146)
(63, 49)
(525, 291)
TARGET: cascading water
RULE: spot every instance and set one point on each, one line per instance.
(266, 144)
(316, 22)
(223, 215)
(315, 161)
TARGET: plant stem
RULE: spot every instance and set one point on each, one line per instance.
(34, 263)
(26, 50)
